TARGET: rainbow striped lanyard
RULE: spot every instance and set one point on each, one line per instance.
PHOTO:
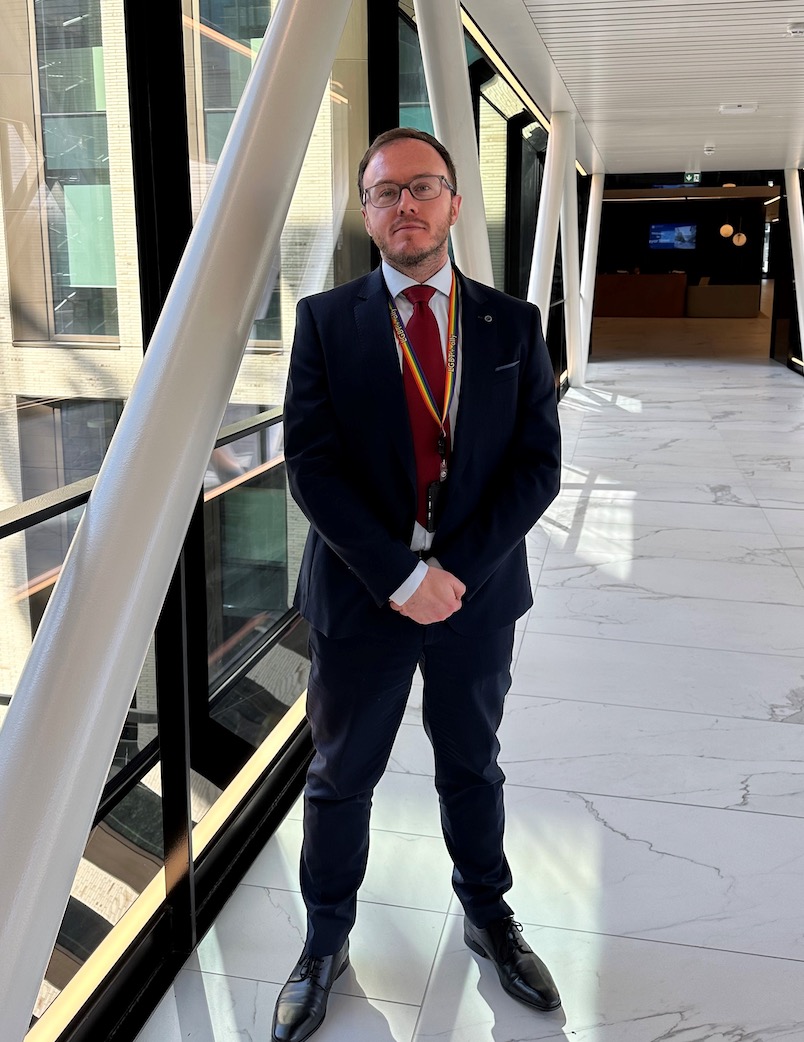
(409, 355)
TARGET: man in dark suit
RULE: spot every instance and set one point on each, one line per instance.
(422, 444)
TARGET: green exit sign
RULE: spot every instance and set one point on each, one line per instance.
(692, 178)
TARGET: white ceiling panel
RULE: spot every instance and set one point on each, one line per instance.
(646, 77)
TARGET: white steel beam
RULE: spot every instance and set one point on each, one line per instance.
(441, 40)
(591, 244)
(795, 215)
(571, 266)
(65, 718)
(547, 221)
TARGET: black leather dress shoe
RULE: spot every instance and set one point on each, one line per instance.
(302, 1003)
(522, 973)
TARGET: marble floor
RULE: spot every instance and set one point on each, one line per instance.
(655, 763)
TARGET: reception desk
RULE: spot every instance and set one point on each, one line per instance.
(723, 301)
(640, 296)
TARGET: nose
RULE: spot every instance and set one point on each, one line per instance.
(403, 204)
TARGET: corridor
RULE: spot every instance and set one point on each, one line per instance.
(655, 766)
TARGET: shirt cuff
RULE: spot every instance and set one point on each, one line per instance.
(410, 585)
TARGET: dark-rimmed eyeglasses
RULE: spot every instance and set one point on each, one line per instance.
(423, 188)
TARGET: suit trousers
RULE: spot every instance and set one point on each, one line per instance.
(356, 697)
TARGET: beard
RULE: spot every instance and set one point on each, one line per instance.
(407, 256)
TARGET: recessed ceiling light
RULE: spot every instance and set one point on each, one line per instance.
(738, 108)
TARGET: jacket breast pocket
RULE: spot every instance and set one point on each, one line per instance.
(506, 371)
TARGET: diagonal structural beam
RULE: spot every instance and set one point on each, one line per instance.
(445, 71)
(571, 266)
(552, 194)
(591, 246)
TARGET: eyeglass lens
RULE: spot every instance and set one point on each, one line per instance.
(421, 188)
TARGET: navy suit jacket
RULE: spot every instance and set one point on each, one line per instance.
(351, 467)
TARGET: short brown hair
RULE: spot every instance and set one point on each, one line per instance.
(402, 134)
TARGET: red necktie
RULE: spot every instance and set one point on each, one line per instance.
(425, 338)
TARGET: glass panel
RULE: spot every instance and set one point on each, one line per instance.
(62, 441)
(556, 329)
(414, 104)
(246, 530)
(203, 792)
(497, 104)
(226, 39)
(324, 242)
(255, 705)
(584, 191)
(534, 152)
(124, 851)
(31, 562)
(75, 141)
(68, 262)
(500, 94)
(59, 442)
(22, 607)
(493, 159)
(141, 727)
(123, 854)
(80, 235)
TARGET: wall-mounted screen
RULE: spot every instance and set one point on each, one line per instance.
(672, 236)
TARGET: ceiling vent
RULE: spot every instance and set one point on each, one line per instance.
(738, 108)
(795, 29)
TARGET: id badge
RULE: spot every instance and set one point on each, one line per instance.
(433, 492)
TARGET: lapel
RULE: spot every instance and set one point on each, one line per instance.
(478, 351)
(378, 360)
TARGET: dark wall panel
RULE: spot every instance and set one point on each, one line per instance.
(625, 231)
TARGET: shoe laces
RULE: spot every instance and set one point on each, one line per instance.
(311, 966)
(515, 933)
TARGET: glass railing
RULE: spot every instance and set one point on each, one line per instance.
(246, 548)
(244, 657)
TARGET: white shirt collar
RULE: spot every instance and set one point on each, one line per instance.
(397, 282)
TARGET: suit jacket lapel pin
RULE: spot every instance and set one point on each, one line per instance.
(487, 318)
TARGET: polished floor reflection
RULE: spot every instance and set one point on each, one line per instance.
(652, 746)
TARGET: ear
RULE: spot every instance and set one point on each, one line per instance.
(455, 209)
(366, 220)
